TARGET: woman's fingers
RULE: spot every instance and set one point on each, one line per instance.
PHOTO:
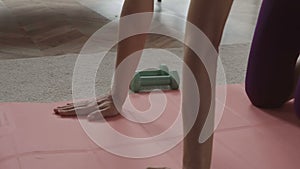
(84, 110)
(99, 100)
(107, 110)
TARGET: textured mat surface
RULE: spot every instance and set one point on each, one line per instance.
(32, 137)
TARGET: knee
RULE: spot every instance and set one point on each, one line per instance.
(297, 100)
(297, 106)
(265, 99)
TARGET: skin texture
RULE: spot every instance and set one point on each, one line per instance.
(208, 15)
(133, 44)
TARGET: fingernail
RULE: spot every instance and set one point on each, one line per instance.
(55, 111)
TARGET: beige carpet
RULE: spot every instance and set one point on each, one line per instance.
(40, 41)
(48, 79)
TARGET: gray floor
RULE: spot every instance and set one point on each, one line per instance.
(238, 30)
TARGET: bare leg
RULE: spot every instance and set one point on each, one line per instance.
(104, 104)
(210, 17)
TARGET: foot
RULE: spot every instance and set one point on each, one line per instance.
(92, 109)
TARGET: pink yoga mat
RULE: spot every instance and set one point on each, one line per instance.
(32, 137)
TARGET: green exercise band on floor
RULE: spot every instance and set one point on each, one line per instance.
(155, 79)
